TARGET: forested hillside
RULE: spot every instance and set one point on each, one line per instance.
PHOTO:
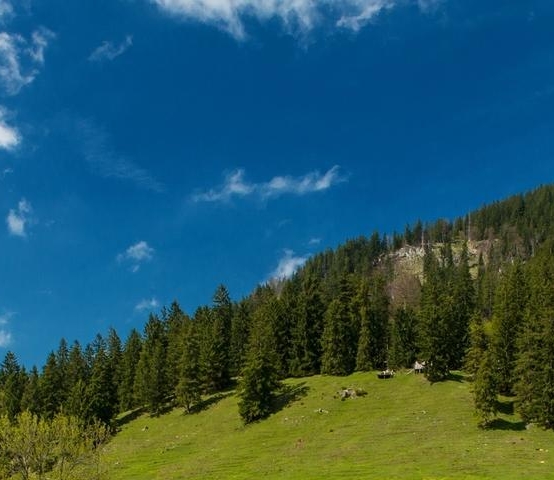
(483, 301)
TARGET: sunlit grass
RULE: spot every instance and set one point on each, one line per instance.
(404, 428)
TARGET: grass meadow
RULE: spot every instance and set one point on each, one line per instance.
(404, 428)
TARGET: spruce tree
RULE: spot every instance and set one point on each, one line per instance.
(338, 339)
(259, 379)
(189, 387)
(404, 346)
(129, 361)
(485, 390)
(151, 385)
(507, 322)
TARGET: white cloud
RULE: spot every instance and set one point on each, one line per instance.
(288, 264)
(147, 304)
(236, 186)
(136, 254)
(107, 163)
(9, 136)
(5, 334)
(20, 58)
(314, 241)
(296, 16)
(6, 9)
(18, 219)
(429, 6)
(5, 338)
(110, 51)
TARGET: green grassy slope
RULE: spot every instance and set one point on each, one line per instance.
(404, 428)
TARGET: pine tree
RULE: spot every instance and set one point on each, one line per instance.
(371, 305)
(338, 338)
(436, 306)
(508, 319)
(151, 376)
(240, 329)
(404, 346)
(478, 344)
(50, 387)
(189, 388)
(31, 398)
(130, 359)
(485, 390)
(259, 379)
(535, 359)
(175, 322)
(100, 392)
(12, 384)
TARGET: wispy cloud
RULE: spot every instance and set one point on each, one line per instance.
(235, 185)
(296, 16)
(136, 254)
(6, 336)
(107, 163)
(110, 51)
(20, 58)
(147, 304)
(18, 218)
(288, 265)
(6, 9)
(9, 135)
(314, 241)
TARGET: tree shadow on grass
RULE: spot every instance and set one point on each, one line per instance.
(289, 394)
(502, 424)
(210, 401)
(129, 416)
(456, 377)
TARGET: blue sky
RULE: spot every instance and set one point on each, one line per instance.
(152, 149)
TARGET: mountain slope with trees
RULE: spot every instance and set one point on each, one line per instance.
(479, 297)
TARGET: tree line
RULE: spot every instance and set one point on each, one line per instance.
(336, 315)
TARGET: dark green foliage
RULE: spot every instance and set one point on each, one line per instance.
(259, 379)
(308, 311)
(339, 346)
(507, 322)
(129, 361)
(436, 307)
(31, 398)
(240, 329)
(485, 390)
(404, 347)
(12, 385)
(175, 322)
(151, 386)
(534, 383)
(100, 392)
(478, 344)
(371, 306)
(51, 386)
(189, 387)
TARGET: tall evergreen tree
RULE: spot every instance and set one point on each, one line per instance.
(436, 306)
(51, 386)
(151, 374)
(485, 390)
(371, 305)
(189, 388)
(12, 384)
(338, 339)
(129, 361)
(507, 322)
(175, 326)
(240, 329)
(404, 344)
(259, 379)
(535, 361)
